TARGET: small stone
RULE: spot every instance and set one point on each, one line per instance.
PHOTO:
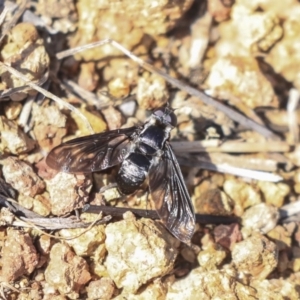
(44, 244)
(212, 257)
(256, 256)
(113, 117)
(18, 257)
(13, 139)
(218, 10)
(24, 51)
(6, 218)
(49, 126)
(94, 118)
(12, 110)
(22, 177)
(213, 284)
(111, 194)
(39, 204)
(87, 241)
(119, 88)
(227, 235)
(66, 272)
(284, 56)
(88, 77)
(214, 202)
(153, 290)
(281, 289)
(143, 243)
(261, 217)
(23, 33)
(128, 108)
(101, 289)
(281, 237)
(274, 193)
(242, 193)
(152, 92)
(97, 259)
(68, 192)
(240, 77)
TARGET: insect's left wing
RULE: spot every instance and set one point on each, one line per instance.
(92, 153)
(171, 197)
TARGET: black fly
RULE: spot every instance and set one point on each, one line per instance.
(142, 152)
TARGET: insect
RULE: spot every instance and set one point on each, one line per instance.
(143, 152)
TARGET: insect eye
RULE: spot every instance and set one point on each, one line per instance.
(171, 119)
(166, 116)
(159, 112)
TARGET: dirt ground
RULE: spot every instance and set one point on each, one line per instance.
(229, 69)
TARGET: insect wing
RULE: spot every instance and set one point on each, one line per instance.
(171, 197)
(92, 153)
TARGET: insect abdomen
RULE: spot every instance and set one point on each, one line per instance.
(132, 173)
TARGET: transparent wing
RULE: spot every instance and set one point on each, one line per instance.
(92, 153)
(171, 197)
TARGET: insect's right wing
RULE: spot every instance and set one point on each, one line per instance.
(92, 153)
(171, 197)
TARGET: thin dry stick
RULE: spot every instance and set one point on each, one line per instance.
(246, 110)
(11, 91)
(234, 115)
(25, 113)
(230, 146)
(292, 105)
(290, 209)
(256, 163)
(88, 97)
(3, 15)
(257, 175)
(48, 94)
(225, 168)
(31, 219)
(152, 214)
(31, 224)
(8, 286)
